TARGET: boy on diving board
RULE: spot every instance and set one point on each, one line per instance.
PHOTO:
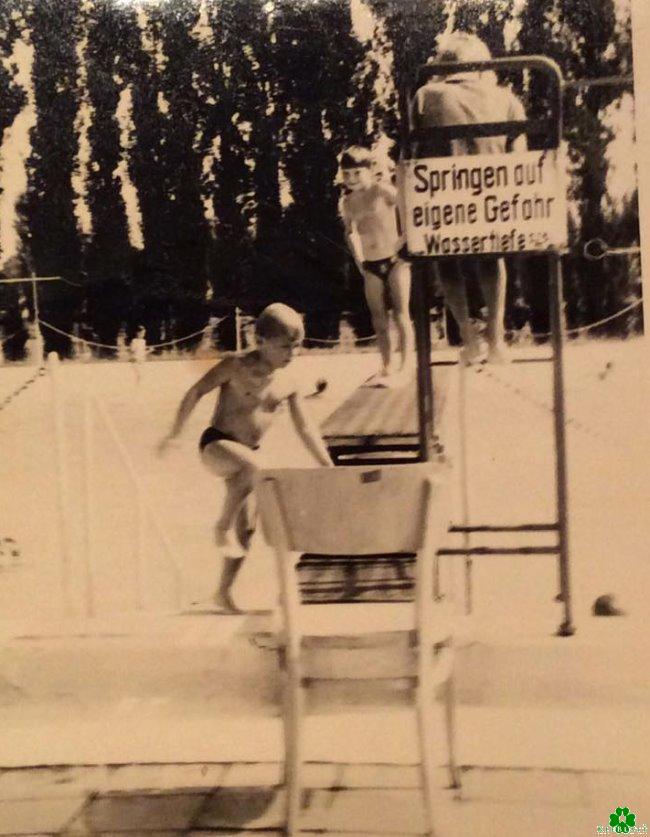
(368, 208)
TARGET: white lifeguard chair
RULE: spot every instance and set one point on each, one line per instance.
(361, 510)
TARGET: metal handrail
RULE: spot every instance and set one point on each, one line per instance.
(540, 63)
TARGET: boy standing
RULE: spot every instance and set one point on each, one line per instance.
(252, 386)
(467, 98)
(369, 212)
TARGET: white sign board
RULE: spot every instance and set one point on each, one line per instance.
(485, 204)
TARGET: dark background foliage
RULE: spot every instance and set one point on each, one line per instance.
(239, 109)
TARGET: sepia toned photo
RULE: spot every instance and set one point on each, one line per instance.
(323, 417)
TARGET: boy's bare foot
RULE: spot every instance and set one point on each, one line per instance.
(321, 386)
(226, 540)
(385, 381)
(223, 600)
(498, 355)
(471, 353)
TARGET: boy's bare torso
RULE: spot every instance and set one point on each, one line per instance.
(372, 213)
(248, 401)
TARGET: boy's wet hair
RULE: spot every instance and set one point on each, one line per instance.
(356, 157)
(279, 320)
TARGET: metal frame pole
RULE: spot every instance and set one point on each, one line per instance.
(422, 317)
(567, 627)
(238, 329)
(88, 495)
(464, 482)
(63, 492)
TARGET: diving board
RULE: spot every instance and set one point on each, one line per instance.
(380, 424)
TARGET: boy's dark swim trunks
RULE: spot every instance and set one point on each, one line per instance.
(211, 434)
(381, 268)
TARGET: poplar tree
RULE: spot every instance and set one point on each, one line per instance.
(588, 42)
(12, 99)
(51, 243)
(183, 222)
(108, 255)
(314, 58)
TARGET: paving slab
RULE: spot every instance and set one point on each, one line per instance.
(556, 788)
(323, 775)
(525, 800)
(122, 813)
(265, 774)
(33, 816)
(200, 832)
(148, 734)
(81, 830)
(253, 808)
(631, 789)
(159, 777)
(555, 737)
(48, 782)
(371, 811)
(381, 776)
(491, 818)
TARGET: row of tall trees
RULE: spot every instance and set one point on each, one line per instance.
(211, 131)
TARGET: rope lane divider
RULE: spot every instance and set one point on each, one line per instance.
(337, 341)
(569, 422)
(150, 348)
(187, 336)
(74, 337)
(611, 317)
(178, 340)
(321, 341)
(589, 326)
(25, 385)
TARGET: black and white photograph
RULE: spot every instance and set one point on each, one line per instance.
(324, 406)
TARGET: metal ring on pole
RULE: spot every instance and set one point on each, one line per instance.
(596, 249)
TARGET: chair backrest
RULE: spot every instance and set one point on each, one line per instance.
(359, 510)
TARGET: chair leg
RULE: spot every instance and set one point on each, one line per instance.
(450, 728)
(293, 705)
(424, 698)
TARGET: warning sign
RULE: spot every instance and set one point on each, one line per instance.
(490, 204)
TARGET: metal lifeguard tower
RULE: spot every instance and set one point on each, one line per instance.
(403, 425)
(424, 188)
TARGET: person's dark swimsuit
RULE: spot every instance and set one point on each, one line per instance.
(212, 434)
(381, 268)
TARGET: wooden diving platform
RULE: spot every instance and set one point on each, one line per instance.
(377, 425)
(380, 424)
